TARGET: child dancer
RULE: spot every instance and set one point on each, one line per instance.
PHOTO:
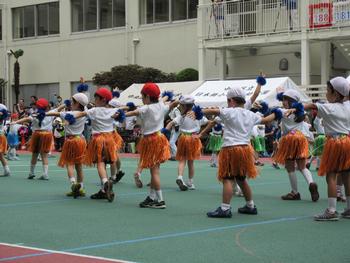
(293, 148)
(153, 147)
(189, 145)
(12, 138)
(336, 153)
(42, 138)
(3, 141)
(319, 143)
(236, 158)
(102, 148)
(73, 151)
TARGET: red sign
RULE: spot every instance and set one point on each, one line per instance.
(321, 15)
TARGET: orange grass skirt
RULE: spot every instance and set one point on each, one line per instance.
(336, 156)
(188, 148)
(73, 151)
(118, 140)
(3, 144)
(236, 161)
(40, 142)
(101, 148)
(154, 149)
(293, 146)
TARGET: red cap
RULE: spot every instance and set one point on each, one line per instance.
(151, 89)
(104, 93)
(42, 103)
(14, 116)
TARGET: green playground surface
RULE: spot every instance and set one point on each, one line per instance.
(37, 214)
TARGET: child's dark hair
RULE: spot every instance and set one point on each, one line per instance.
(187, 107)
(81, 107)
(340, 97)
(152, 99)
(290, 101)
(239, 100)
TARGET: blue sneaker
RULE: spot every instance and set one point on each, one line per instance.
(247, 210)
(219, 213)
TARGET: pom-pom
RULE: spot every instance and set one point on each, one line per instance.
(299, 107)
(169, 94)
(261, 80)
(131, 106)
(166, 132)
(4, 114)
(278, 114)
(198, 112)
(264, 108)
(218, 127)
(116, 94)
(83, 87)
(70, 118)
(279, 96)
(67, 103)
(120, 116)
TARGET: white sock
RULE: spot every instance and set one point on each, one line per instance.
(250, 204)
(190, 180)
(6, 169)
(32, 168)
(152, 194)
(45, 169)
(180, 177)
(307, 175)
(225, 207)
(104, 180)
(293, 182)
(72, 180)
(348, 202)
(332, 204)
(159, 195)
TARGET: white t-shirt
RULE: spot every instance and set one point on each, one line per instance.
(336, 117)
(239, 124)
(130, 123)
(74, 129)
(174, 113)
(288, 124)
(101, 119)
(46, 124)
(187, 124)
(318, 125)
(306, 131)
(152, 117)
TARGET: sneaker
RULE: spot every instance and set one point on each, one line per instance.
(138, 181)
(76, 190)
(327, 216)
(239, 193)
(346, 214)
(291, 196)
(44, 178)
(341, 198)
(219, 213)
(99, 195)
(308, 165)
(248, 210)
(146, 203)
(313, 191)
(157, 204)
(213, 165)
(119, 176)
(80, 193)
(6, 174)
(190, 186)
(31, 176)
(275, 165)
(257, 163)
(108, 187)
(181, 185)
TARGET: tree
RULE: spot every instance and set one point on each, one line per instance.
(125, 75)
(16, 70)
(2, 87)
(187, 74)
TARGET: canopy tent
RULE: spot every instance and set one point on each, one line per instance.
(213, 93)
(348, 79)
(132, 94)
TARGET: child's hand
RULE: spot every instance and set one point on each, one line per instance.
(289, 112)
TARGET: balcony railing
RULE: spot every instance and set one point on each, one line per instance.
(264, 17)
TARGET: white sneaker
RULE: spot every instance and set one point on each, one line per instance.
(43, 177)
(239, 193)
(7, 173)
(181, 184)
(190, 186)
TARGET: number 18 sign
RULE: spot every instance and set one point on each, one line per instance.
(321, 15)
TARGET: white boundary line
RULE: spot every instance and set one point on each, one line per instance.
(59, 252)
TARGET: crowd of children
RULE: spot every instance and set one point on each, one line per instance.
(235, 149)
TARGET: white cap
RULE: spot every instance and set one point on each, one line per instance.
(114, 103)
(236, 92)
(2, 107)
(186, 99)
(341, 85)
(293, 94)
(81, 98)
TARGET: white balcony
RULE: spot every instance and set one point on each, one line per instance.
(278, 20)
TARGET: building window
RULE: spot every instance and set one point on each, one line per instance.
(0, 24)
(157, 11)
(97, 14)
(36, 20)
